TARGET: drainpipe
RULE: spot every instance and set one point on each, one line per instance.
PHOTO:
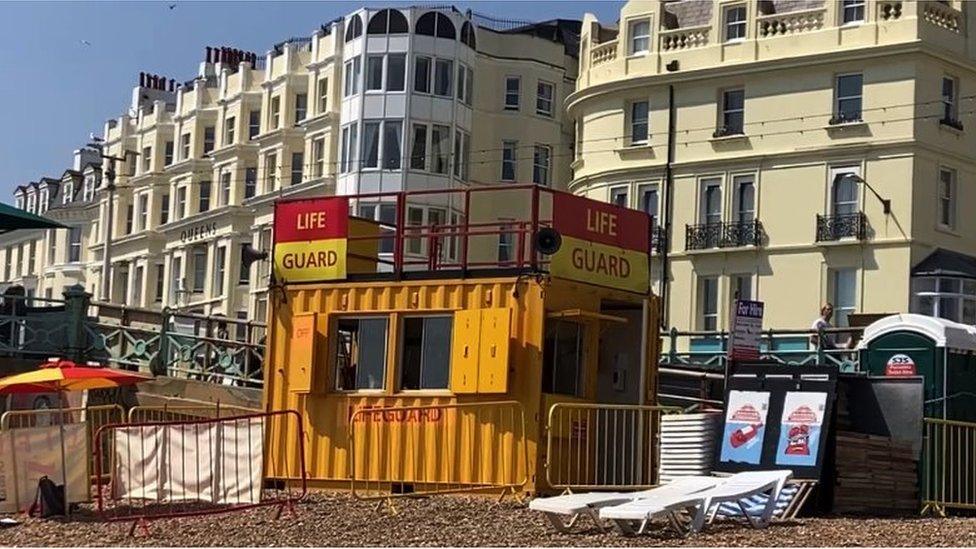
(668, 193)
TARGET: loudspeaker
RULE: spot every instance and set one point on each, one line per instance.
(548, 241)
(249, 255)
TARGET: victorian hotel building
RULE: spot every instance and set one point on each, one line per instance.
(377, 101)
(818, 150)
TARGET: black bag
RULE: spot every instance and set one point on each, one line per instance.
(48, 500)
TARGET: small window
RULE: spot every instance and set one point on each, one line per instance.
(543, 100)
(735, 23)
(371, 144)
(436, 24)
(848, 95)
(168, 153)
(741, 285)
(467, 35)
(250, 182)
(513, 86)
(253, 123)
(506, 244)
(146, 159)
(418, 152)
(396, 66)
(219, 270)
(950, 100)
(164, 209)
(618, 197)
(745, 198)
(204, 196)
(947, 198)
(425, 353)
(374, 73)
(392, 137)
(421, 76)
(297, 159)
(185, 146)
(640, 36)
(509, 149)
(360, 353)
(351, 77)
(387, 22)
(711, 201)
(708, 302)
(274, 117)
(638, 122)
(853, 11)
(440, 144)
(540, 164)
(323, 90)
(229, 127)
(209, 139)
(443, 81)
(843, 294)
(301, 107)
(649, 201)
(733, 112)
(844, 194)
(318, 157)
(563, 358)
(354, 28)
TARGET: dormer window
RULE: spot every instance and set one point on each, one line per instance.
(20, 202)
(89, 190)
(68, 192)
(31, 203)
(42, 205)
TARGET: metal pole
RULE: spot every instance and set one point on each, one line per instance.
(668, 192)
(109, 220)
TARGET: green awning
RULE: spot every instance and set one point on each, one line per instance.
(12, 218)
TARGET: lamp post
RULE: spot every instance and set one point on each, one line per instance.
(885, 202)
(109, 187)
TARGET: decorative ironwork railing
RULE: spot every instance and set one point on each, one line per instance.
(836, 227)
(723, 235)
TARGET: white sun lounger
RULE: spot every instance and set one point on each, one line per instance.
(700, 505)
(587, 504)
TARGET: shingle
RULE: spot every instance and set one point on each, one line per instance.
(687, 13)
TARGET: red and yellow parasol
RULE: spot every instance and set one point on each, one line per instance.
(65, 375)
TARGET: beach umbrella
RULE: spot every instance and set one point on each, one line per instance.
(60, 376)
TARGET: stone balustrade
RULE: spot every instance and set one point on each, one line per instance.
(683, 39)
(785, 24)
(603, 53)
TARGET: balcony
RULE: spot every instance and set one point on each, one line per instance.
(603, 53)
(683, 39)
(659, 239)
(831, 228)
(723, 235)
(787, 24)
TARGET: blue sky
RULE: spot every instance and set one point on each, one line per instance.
(69, 66)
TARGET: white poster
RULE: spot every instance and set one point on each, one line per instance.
(799, 432)
(745, 426)
(28, 454)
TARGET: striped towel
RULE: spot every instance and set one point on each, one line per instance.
(755, 504)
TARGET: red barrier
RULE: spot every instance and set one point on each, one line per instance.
(167, 469)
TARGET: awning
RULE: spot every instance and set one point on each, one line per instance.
(946, 263)
(12, 218)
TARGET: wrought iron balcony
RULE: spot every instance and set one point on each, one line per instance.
(659, 239)
(836, 227)
(723, 235)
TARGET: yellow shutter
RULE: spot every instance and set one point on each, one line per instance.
(464, 351)
(301, 353)
(493, 352)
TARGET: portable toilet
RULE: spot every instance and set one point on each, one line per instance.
(943, 352)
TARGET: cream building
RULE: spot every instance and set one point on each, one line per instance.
(378, 101)
(776, 105)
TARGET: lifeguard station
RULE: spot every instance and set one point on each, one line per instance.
(443, 341)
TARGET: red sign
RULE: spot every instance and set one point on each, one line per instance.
(312, 219)
(900, 365)
(599, 222)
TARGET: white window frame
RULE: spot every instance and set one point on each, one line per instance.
(642, 188)
(704, 216)
(838, 98)
(726, 111)
(842, 310)
(853, 6)
(617, 192)
(509, 145)
(728, 25)
(708, 319)
(633, 122)
(545, 169)
(351, 71)
(947, 201)
(634, 39)
(950, 101)
(509, 94)
(541, 100)
(738, 181)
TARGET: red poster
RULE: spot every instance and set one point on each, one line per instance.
(599, 222)
(311, 219)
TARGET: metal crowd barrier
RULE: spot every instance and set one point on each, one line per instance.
(436, 449)
(142, 414)
(94, 417)
(948, 465)
(166, 469)
(603, 446)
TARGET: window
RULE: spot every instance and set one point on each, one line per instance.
(421, 74)
(711, 201)
(387, 22)
(349, 139)
(513, 86)
(950, 102)
(462, 145)
(137, 285)
(90, 184)
(164, 209)
(649, 201)
(244, 274)
(853, 11)
(618, 197)
(168, 153)
(543, 99)
(301, 107)
(506, 244)
(176, 278)
(945, 297)
(741, 285)
(351, 78)
(640, 36)
(220, 265)
(418, 152)
(230, 125)
(396, 68)
(250, 182)
(180, 203)
(468, 98)
(68, 192)
(185, 146)
(844, 193)
(354, 28)
(638, 122)
(323, 89)
(204, 196)
(360, 353)
(371, 144)
(744, 190)
(415, 218)
(129, 218)
(443, 71)
(318, 157)
(509, 166)
(460, 81)
(563, 358)
(708, 302)
(160, 279)
(143, 201)
(297, 159)
(467, 35)
(435, 24)
(209, 138)
(374, 73)
(947, 198)
(733, 112)
(274, 117)
(74, 244)
(735, 23)
(440, 143)
(225, 187)
(425, 353)
(843, 294)
(271, 167)
(199, 268)
(848, 102)
(253, 124)
(146, 159)
(540, 164)
(392, 137)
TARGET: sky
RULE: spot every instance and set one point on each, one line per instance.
(67, 67)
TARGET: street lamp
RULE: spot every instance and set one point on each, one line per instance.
(885, 202)
(109, 186)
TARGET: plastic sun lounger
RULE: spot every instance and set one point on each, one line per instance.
(588, 504)
(700, 505)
